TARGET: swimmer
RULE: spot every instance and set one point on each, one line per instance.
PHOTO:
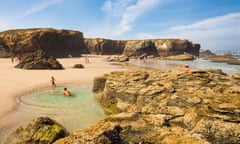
(66, 92)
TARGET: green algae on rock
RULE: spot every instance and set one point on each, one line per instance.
(42, 130)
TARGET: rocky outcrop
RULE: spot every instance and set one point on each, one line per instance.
(140, 48)
(224, 58)
(182, 105)
(168, 47)
(56, 43)
(69, 43)
(79, 66)
(102, 46)
(38, 60)
(42, 130)
(155, 47)
(206, 53)
(180, 57)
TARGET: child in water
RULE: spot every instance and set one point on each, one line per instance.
(66, 92)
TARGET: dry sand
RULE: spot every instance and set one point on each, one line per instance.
(15, 82)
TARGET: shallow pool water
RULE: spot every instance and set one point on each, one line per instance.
(74, 112)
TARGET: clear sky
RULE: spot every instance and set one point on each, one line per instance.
(215, 24)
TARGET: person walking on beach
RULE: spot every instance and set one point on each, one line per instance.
(66, 92)
(53, 81)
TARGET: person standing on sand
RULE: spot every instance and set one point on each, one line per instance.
(53, 82)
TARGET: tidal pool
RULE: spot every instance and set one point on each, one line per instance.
(75, 112)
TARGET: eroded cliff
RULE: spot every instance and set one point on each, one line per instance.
(56, 43)
(155, 47)
(65, 43)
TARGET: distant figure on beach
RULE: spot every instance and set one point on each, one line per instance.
(66, 92)
(12, 59)
(87, 59)
(53, 81)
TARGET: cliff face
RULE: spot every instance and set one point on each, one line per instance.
(168, 47)
(104, 46)
(61, 43)
(156, 47)
(57, 43)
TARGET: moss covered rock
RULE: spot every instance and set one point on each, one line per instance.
(42, 130)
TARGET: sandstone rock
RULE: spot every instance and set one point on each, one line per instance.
(56, 43)
(206, 53)
(65, 43)
(42, 130)
(81, 66)
(38, 60)
(104, 46)
(185, 98)
(175, 106)
(150, 47)
(181, 57)
(225, 58)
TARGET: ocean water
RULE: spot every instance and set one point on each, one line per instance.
(75, 112)
(201, 64)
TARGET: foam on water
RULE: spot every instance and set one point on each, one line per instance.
(75, 112)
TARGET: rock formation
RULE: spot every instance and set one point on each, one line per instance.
(181, 57)
(38, 60)
(56, 43)
(102, 46)
(42, 130)
(155, 47)
(65, 43)
(225, 58)
(176, 106)
(206, 53)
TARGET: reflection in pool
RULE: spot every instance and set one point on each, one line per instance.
(75, 112)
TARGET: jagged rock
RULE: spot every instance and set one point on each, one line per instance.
(38, 60)
(81, 66)
(181, 105)
(42, 130)
(56, 43)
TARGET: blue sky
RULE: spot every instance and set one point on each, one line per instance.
(215, 24)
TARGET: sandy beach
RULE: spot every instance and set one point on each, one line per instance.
(15, 82)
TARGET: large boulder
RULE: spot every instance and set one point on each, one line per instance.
(56, 43)
(42, 130)
(38, 60)
(181, 105)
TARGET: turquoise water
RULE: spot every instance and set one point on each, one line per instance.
(75, 112)
(51, 100)
(202, 64)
